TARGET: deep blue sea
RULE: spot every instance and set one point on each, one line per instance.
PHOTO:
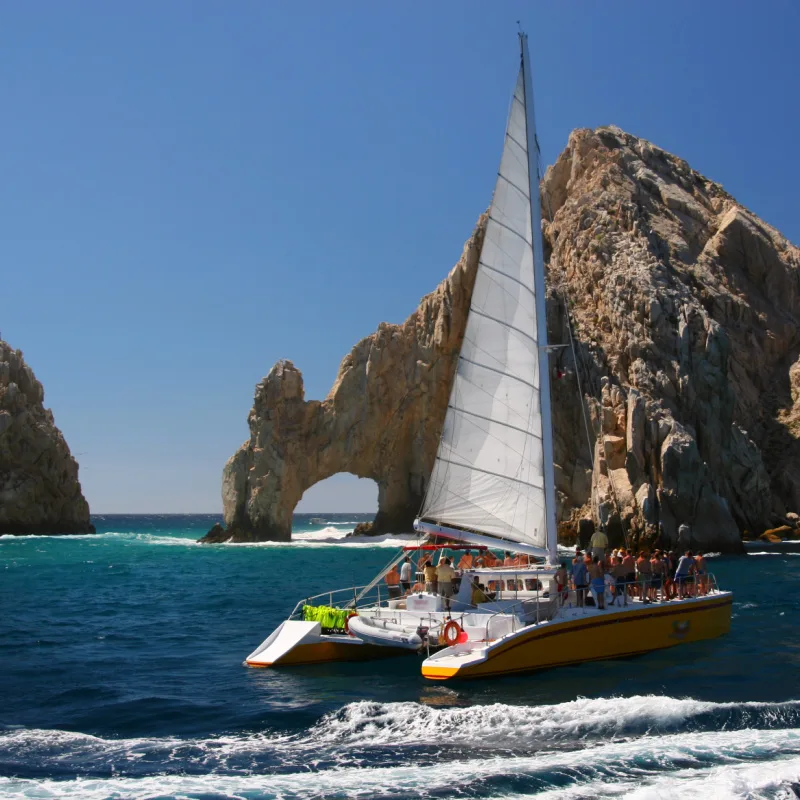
(121, 677)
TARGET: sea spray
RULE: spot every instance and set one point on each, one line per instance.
(741, 761)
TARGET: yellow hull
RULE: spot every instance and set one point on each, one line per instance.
(589, 638)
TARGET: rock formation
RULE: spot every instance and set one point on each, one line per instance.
(382, 420)
(684, 308)
(39, 487)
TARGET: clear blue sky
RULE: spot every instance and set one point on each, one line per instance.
(192, 190)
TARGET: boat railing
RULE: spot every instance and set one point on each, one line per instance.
(663, 590)
(349, 597)
(544, 611)
(634, 591)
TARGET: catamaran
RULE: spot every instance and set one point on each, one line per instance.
(492, 488)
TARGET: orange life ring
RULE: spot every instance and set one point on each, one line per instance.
(451, 632)
(347, 622)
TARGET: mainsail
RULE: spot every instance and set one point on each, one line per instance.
(491, 467)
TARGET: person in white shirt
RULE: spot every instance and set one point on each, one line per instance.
(406, 575)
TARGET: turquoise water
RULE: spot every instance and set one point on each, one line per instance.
(121, 677)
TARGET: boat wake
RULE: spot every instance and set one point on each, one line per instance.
(644, 746)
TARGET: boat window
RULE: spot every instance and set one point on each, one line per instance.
(495, 586)
(532, 585)
(513, 585)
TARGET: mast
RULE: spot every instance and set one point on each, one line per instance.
(541, 306)
(495, 454)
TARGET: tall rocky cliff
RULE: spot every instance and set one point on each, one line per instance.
(684, 309)
(39, 487)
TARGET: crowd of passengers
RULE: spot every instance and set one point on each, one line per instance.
(623, 575)
(442, 578)
(620, 574)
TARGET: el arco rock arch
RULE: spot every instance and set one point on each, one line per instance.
(686, 316)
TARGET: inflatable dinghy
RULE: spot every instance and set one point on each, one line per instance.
(383, 632)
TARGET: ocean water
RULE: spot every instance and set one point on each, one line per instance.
(121, 677)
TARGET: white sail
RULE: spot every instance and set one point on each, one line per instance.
(489, 470)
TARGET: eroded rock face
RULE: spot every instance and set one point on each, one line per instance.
(685, 311)
(39, 487)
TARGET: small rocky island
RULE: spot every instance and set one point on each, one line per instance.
(39, 487)
(685, 309)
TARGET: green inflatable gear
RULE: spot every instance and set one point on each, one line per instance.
(328, 617)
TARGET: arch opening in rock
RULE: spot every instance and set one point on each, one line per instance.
(341, 495)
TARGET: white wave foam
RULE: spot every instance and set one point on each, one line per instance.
(765, 553)
(333, 537)
(772, 779)
(327, 537)
(370, 723)
(344, 521)
(43, 744)
(678, 765)
(146, 538)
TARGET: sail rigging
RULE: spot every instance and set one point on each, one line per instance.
(493, 470)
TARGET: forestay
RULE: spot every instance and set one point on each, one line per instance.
(488, 475)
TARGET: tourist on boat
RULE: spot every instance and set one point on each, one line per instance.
(644, 573)
(597, 575)
(620, 572)
(658, 573)
(672, 564)
(466, 561)
(701, 571)
(561, 583)
(508, 561)
(478, 592)
(630, 570)
(444, 578)
(429, 571)
(609, 580)
(489, 559)
(684, 574)
(598, 543)
(580, 578)
(406, 574)
(393, 582)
